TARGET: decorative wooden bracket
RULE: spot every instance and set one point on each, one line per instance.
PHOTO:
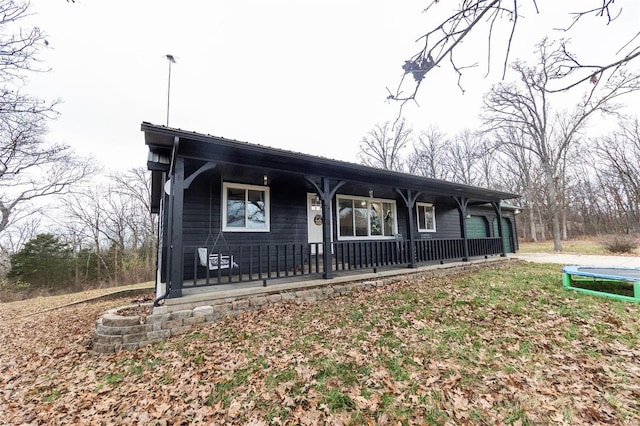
(410, 201)
(326, 194)
(207, 166)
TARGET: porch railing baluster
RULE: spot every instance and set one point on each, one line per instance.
(286, 261)
(252, 262)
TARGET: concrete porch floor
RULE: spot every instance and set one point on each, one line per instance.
(209, 295)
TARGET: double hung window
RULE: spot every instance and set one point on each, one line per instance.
(245, 208)
(426, 214)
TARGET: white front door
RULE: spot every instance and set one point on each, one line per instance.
(314, 221)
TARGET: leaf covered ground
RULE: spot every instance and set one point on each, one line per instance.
(506, 346)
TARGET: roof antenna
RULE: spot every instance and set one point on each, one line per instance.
(171, 60)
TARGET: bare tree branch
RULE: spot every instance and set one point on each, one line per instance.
(549, 135)
(472, 16)
(382, 147)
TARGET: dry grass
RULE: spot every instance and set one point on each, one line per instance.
(34, 305)
(586, 245)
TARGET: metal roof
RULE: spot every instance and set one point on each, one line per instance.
(160, 140)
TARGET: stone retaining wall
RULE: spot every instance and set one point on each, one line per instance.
(116, 332)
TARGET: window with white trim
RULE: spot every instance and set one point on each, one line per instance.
(245, 208)
(361, 217)
(426, 214)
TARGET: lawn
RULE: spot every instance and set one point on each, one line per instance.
(503, 346)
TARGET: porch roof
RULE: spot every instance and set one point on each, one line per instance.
(160, 140)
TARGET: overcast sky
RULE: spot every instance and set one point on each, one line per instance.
(307, 76)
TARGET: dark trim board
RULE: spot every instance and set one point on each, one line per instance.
(373, 216)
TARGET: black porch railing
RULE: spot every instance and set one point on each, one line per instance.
(369, 254)
(485, 246)
(262, 262)
(255, 262)
(433, 250)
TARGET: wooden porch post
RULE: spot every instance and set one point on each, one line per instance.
(175, 244)
(462, 203)
(175, 257)
(410, 202)
(326, 194)
(498, 209)
(326, 229)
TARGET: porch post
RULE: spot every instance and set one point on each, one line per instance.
(462, 203)
(326, 229)
(176, 246)
(326, 194)
(410, 202)
(498, 209)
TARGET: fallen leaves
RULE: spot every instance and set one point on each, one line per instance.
(452, 350)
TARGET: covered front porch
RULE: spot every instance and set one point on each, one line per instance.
(268, 263)
(233, 213)
(308, 288)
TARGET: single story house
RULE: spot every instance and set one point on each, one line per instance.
(234, 212)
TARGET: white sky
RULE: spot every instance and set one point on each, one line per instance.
(307, 76)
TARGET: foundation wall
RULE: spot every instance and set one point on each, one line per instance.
(115, 332)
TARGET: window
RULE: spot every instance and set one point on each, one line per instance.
(245, 208)
(366, 217)
(426, 217)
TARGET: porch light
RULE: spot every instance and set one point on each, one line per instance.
(265, 179)
(371, 193)
(468, 215)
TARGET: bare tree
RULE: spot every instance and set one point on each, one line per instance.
(30, 168)
(429, 154)
(382, 147)
(464, 159)
(588, 197)
(84, 214)
(618, 158)
(498, 19)
(523, 168)
(113, 224)
(550, 136)
(136, 185)
(19, 47)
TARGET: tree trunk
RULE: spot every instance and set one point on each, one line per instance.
(115, 264)
(532, 225)
(554, 207)
(98, 265)
(77, 264)
(555, 229)
(543, 226)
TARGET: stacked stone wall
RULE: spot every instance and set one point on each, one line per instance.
(115, 332)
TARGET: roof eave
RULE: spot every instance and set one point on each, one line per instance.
(161, 138)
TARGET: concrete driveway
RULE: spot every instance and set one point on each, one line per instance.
(579, 259)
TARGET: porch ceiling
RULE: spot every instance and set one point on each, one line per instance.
(226, 151)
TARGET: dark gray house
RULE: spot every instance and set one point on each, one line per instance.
(235, 212)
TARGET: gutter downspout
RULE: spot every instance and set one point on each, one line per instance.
(156, 303)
